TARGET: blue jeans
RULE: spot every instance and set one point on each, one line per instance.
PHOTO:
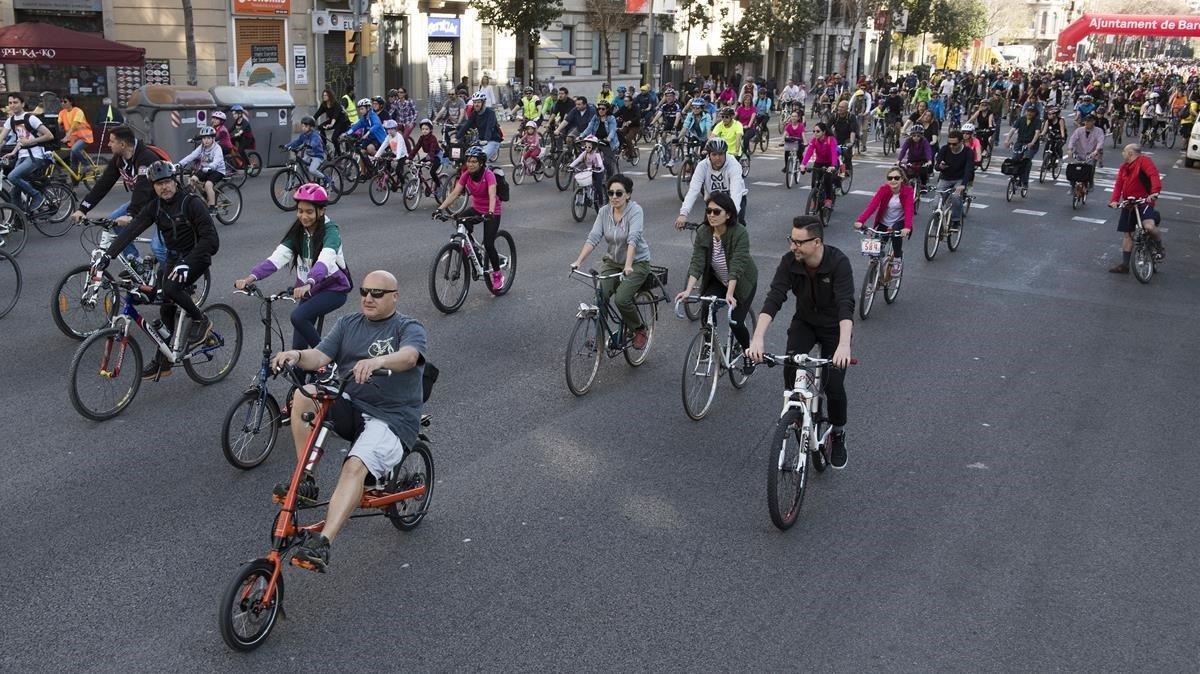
(157, 245)
(492, 148)
(77, 157)
(305, 315)
(24, 167)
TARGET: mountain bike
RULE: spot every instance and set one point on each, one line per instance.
(227, 204)
(664, 153)
(816, 200)
(51, 218)
(10, 283)
(423, 179)
(1143, 262)
(939, 228)
(253, 602)
(463, 259)
(83, 302)
(599, 328)
(801, 435)
(585, 195)
(708, 357)
(296, 173)
(102, 383)
(877, 245)
(687, 166)
(891, 139)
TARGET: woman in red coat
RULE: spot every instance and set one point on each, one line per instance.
(893, 208)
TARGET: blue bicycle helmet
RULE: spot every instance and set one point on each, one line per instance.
(476, 152)
(237, 108)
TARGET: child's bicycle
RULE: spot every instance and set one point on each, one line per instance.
(586, 193)
(463, 259)
(253, 602)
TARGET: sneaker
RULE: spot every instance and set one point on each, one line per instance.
(497, 280)
(306, 494)
(640, 339)
(1160, 253)
(1119, 269)
(954, 225)
(157, 369)
(312, 553)
(199, 332)
(837, 450)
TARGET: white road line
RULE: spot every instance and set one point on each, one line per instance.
(863, 192)
(1169, 197)
(978, 205)
(1096, 221)
(1027, 212)
(766, 184)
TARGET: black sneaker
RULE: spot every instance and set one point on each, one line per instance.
(199, 332)
(306, 494)
(312, 553)
(157, 369)
(837, 449)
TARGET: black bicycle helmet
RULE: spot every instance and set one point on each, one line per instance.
(308, 120)
(160, 170)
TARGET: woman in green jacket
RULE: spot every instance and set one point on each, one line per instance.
(721, 262)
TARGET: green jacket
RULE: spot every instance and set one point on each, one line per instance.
(736, 243)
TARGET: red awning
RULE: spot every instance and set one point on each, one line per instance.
(43, 43)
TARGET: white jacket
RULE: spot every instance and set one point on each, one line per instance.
(728, 179)
(206, 158)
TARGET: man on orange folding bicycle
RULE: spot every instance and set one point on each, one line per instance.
(381, 417)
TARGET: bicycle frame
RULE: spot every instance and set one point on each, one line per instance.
(709, 326)
(603, 312)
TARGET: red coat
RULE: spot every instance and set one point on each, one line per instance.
(880, 201)
(1129, 179)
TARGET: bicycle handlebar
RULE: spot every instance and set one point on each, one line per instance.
(691, 225)
(800, 360)
(464, 219)
(714, 300)
(595, 275)
(295, 375)
(253, 290)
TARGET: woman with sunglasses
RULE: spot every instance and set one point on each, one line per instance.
(721, 262)
(312, 247)
(893, 206)
(620, 225)
(604, 127)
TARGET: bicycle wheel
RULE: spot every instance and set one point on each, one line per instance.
(379, 190)
(515, 150)
(106, 372)
(787, 469)
(764, 138)
(954, 236)
(846, 182)
(892, 289)
(1172, 133)
(1042, 172)
(866, 296)
(1074, 198)
(506, 250)
(80, 307)
(229, 203)
(54, 221)
(283, 184)
(738, 376)
(579, 204)
(449, 279)
(244, 621)
(562, 176)
(684, 179)
(700, 374)
(789, 177)
(254, 164)
(634, 156)
(583, 355)
(987, 161)
(250, 429)
(933, 235)
(652, 162)
(1011, 190)
(351, 172)
(92, 171)
(335, 182)
(1055, 169)
(237, 178)
(518, 172)
(213, 360)
(1142, 262)
(648, 309)
(10, 283)
(416, 470)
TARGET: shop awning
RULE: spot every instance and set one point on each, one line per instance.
(42, 43)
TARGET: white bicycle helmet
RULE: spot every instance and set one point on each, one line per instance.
(968, 128)
(364, 103)
(390, 124)
(479, 96)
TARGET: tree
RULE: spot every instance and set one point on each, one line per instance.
(781, 22)
(189, 41)
(693, 14)
(854, 13)
(523, 19)
(608, 17)
(955, 23)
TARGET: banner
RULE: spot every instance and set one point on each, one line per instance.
(637, 6)
(1130, 24)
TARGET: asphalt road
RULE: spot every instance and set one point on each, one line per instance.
(1020, 492)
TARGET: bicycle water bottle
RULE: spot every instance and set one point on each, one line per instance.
(161, 329)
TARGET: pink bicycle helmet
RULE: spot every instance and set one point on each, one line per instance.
(312, 193)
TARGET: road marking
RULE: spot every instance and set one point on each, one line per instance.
(978, 205)
(1022, 211)
(634, 173)
(1096, 221)
(863, 192)
(766, 184)
(1169, 197)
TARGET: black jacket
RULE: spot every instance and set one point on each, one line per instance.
(831, 301)
(186, 228)
(133, 170)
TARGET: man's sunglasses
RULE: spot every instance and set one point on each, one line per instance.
(376, 293)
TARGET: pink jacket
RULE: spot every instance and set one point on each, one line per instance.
(880, 201)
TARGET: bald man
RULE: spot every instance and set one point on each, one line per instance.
(381, 419)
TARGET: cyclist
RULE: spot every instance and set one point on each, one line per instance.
(604, 127)
(77, 133)
(577, 119)
(620, 226)
(629, 124)
(308, 141)
(1087, 144)
(208, 162)
(243, 133)
(348, 105)
(381, 419)
(393, 146)
(697, 123)
(715, 173)
(893, 206)
(529, 107)
(844, 127)
(790, 94)
(1054, 130)
(479, 183)
(921, 94)
(1083, 108)
(722, 265)
(954, 163)
(482, 119)
(729, 130)
(191, 240)
(131, 160)
(985, 121)
(793, 137)
(403, 110)
(1152, 115)
(31, 134)
(592, 159)
(1023, 139)
(668, 113)
(428, 143)
(224, 140)
(861, 103)
(745, 113)
(894, 104)
(312, 247)
(533, 143)
(825, 153)
(972, 143)
(916, 155)
(335, 117)
(369, 128)
(1136, 179)
(820, 277)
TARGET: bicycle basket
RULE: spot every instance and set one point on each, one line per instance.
(660, 273)
(1079, 172)
(428, 378)
(1010, 167)
(584, 178)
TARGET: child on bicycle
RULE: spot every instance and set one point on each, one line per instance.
(394, 146)
(243, 133)
(308, 142)
(223, 137)
(533, 144)
(209, 163)
(793, 137)
(592, 159)
(427, 142)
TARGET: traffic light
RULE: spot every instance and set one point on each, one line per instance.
(370, 38)
(351, 46)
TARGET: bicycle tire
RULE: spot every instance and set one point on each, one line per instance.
(1172, 134)
(406, 515)
(1142, 262)
(1042, 173)
(229, 203)
(348, 166)
(738, 376)
(1011, 190)
(645, 303)
(789, 178)
(254, 165)
(61, 301)
(866, 296)
(703, 370)
(986, 162)
(562, 176)
(1055, 169)
(450, 264)
(584, 341)
(241, 598)
(684, 180)
(764, 139)
(954, 236)
(283, 184)
(652, 162)
(634, 155)
(261, 414)
(226, 338)
(892, 289)
(65, 201)
(933, 235)
(787, 470)
(506, 250)
(237, 178)
(108, 341)
(379, 190)
(515, 150)
(8, 279)
(335, 182)
(847, 181)
(579, 202)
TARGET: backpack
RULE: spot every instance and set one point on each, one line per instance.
(56, 137)
(502, 190)
(162, 154)
(860, 105)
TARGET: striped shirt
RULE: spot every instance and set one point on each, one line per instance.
(719, 264)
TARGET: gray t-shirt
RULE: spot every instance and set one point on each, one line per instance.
(396, 400)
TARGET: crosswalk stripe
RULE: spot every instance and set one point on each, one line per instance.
(863, 193)
(1096, 221)
(766, 184)
(1027, 212)
(975, 204)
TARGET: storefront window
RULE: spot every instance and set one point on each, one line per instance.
(261, 53)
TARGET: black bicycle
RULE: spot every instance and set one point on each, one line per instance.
(10, 283)
(463, 259)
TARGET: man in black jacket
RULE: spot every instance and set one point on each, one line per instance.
(823, 283)
(130, 161)
(191, 241)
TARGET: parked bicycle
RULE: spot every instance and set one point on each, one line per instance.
(708, 357)
(463, 259)
(939, 228)
(881, 272)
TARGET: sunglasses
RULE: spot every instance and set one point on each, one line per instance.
(800, 242)
(615, 193)
(376, 293)
(714, 211)
(896, 178)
